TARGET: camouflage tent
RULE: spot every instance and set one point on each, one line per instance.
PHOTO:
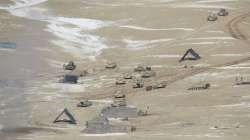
(190, 55)
(65, 116)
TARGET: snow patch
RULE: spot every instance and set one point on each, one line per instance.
(165, 56)
(156, 29)
(81, 23)
(61, 87)
(215, 1)
(202, 65)
(212, 38)
(103, 135)
(215, 31)
(140, 44)
(229, 55)
(73, 33)
(195, 5)
(72, 39)
(243, 104)
(102, 101)
(232, 67)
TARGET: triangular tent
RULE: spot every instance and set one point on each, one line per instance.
(190, 55)
(65, 116)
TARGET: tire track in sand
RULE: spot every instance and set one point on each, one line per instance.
(233, 28)
(235, 32)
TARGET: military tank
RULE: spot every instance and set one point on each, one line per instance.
(120, 81)
(200, 87)
(85, 103)
(222, 12)
(119, 100)
(119, 95)
(138, 83)
(142, 68)
(70, 66)
(241, 81)
(212, 17)
(142, 113)
(148, 74)
(128, 76)
(156, 86)
(159, 85)
(110, 65)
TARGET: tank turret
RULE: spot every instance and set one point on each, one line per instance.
(119, 100)
(70, 66)
(160, 85)
(85, 103)
(148, 74)
(142, 68)
(138, 83)
(128, 76)
(222, 12)
(111, 65)
(120, 81)
(212, 17)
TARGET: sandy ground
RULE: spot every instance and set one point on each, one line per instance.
(154, 33)
(19, 68)
(5, 2)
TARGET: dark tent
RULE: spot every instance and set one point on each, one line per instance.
(68, 78)
(190, 55)
(65, 116)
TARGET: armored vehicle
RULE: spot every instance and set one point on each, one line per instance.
(148, 74)
(222, 12)
(119, 100)
(212, 17)
(85, 103)
(70, 66)
(142, 113)
(128, 76)
(156, 86)
(119, 95)
(142, 68)
(110, 65)
(200, 87)
(120, 81)
(241, 81)
(138, 83)
(159, 85)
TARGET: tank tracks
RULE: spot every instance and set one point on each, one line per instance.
(233, 27)
(235, 32)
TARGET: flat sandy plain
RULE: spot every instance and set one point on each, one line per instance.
(154, 33)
